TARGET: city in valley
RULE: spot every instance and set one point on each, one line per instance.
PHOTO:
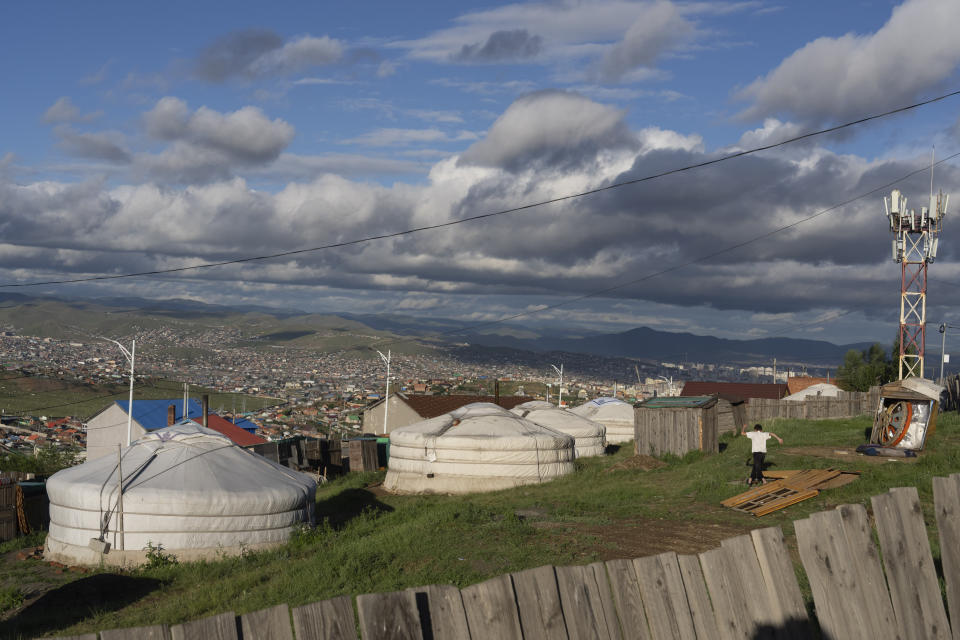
(51, 386)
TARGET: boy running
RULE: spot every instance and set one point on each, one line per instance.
(758, 445)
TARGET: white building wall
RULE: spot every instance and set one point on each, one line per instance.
(400, 416)
(108, 429)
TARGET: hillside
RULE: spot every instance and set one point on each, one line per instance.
(261, 327)
(369, 541)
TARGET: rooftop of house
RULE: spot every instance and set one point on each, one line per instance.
(152, 414)
(745, 390)
(796, 384)
(433, 406)
(240, 437)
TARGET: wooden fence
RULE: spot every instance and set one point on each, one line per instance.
(747, 588)
(847, 404)
(675, 430)
(951, 400)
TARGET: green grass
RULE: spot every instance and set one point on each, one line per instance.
(367, 542)
(34, 395)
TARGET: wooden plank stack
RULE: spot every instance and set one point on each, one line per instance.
(778, 494)
(745, 589)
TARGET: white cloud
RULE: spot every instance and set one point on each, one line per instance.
(207, 143)
(298, 54)
(615, 41)
(662, 27)
(549, 124)
(771, 132)
(104, 145)
(258, 53)
(842, 78)
(64, 111)
(391, 137)
(568, 247)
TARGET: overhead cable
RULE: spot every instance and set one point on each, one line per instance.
(482, 216)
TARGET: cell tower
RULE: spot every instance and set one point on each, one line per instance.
(915, 241)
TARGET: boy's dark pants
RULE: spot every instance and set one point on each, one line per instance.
(757, 474)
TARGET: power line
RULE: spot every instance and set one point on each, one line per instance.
(493, 214)
(678, 266)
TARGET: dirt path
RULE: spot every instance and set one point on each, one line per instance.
(645, 537)
(846, 454)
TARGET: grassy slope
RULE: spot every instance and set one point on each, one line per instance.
(55, 398)
(375, 543)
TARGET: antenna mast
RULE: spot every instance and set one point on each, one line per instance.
(916, 237)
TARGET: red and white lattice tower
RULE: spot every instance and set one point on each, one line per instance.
(916, 236)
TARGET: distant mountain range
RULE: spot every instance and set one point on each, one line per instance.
(47, 316)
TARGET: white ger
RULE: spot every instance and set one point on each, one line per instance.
(186, 489)
(613, 413)
(478, 447)
(590, 438)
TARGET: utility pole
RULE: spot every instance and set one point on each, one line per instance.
(386, 398)
(916, 237)
(944, 357)
(559, 373)
(131, 356)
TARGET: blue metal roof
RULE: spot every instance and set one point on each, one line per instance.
(245, 424)
(152, 414)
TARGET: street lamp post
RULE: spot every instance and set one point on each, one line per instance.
(559, 373)
(131, 356)
(386, 397)
(943, 345)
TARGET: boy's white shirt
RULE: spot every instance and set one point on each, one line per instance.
(758, 441)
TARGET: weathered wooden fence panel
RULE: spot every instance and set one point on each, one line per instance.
(911, 575)
(582, 604)
(267, 624)
(441, 612)
(221, 627)
(626, 595)
(664, 598)
(946, 499)
(701, 611)
(387, 616)
(491, 610)
(326, 620)
(784, 599)
(538, 601)
(745, 589)
(155, 632)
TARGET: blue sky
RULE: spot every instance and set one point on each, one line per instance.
(151, 137)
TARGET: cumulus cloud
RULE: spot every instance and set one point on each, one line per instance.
(64, 111)
(104, 145)
(566, 248)
(549, 127)
(253, 53)
(613, 42)
(208, 143)
(502, 46)
(662, 27)
(841, 78)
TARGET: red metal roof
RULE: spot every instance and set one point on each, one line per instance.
(433, 406)
(745, 390)
(239, 436)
